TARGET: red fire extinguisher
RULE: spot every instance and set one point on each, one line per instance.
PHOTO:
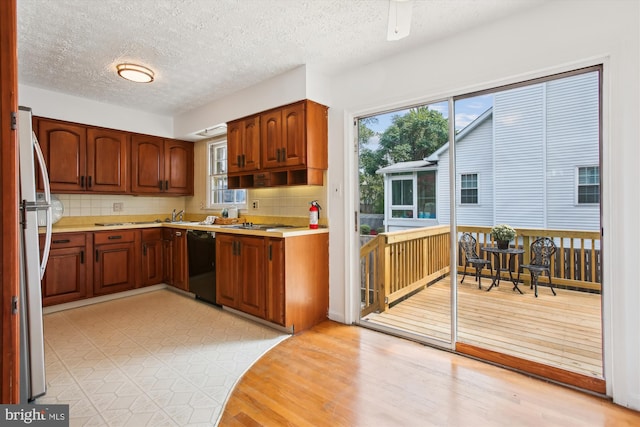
(314, 214)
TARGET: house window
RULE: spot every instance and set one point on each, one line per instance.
(402, 197)
(589, 185)
(469, 189)
(218, 196)
(427, 194)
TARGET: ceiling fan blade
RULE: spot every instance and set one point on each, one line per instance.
(399, 19)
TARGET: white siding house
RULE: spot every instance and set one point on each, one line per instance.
(523, 161)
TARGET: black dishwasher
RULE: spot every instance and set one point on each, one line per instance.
(201, 252)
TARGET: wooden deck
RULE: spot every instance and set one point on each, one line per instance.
(564, 331)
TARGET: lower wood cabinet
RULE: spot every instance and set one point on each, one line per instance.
(282, 280)
(151, 259)
(174, 242)
(114, 268)
(240, 274)
(68, 270)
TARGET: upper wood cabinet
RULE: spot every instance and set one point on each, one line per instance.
(292, 147)
(243, 145)
(161, 166)
(283, 137)
(83, 158)
(80, 158)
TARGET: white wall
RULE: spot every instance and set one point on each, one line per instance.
(55, 105)
(558, 36)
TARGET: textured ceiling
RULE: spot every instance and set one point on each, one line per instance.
(202, 50)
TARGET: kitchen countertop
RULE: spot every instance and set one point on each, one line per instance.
(187, 225)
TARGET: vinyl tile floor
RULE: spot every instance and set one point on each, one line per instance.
(155, 359)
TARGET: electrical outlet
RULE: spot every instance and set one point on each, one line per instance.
(256, 204)
(117, 207)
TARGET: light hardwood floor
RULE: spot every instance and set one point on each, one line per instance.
(339, 375)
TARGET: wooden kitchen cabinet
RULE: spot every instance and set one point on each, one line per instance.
(115, 261)
(283, 137)
(292, 146)
(68, 270)
(297, 281)
(240, 273)
(82, 158)
(175, 272)
(161, 166)
(282, 280)
(151, 257)
(243, 145)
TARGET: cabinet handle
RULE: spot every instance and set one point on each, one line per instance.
(144, 249)
(82, 181)
(81, 257)
(97, 256)
(160, 185)
(62, 241)
(239, 159)
(270, 252)
(89, 182)
(166, 185)
(284, 155)
(277, 155)
(114, 237)
(178, 233)
(244, 160)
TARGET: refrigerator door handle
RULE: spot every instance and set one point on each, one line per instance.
(47, 200)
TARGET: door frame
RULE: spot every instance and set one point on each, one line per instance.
(9, 267)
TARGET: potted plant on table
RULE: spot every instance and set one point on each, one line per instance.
(503, 234)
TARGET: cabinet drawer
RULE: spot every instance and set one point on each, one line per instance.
(65, 240)
(151, 234)
(120, 236)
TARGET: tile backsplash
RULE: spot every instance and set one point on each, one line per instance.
(100, 205)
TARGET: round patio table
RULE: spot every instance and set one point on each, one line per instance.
(510, 254)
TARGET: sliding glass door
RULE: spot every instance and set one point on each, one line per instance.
(531, 161)
(433, 184)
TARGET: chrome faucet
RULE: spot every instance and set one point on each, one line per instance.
(173, 216)
(180, 215)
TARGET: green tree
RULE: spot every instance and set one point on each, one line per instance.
(413, 136)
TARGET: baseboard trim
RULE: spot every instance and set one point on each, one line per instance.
(102, 298)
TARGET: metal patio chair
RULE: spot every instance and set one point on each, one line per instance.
(468, 245)
(542, 250)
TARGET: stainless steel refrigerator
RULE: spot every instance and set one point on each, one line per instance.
(32, 264)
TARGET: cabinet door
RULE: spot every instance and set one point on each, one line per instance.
(243, 145)
(252, 276)
(65, 278)
(179, 260)
(107, 160)
(167, 256)
(271, 139)
(64, 148)
(226, 270)
(178, 167)
(294, 138)
(275, 282)
(114, 268)
(147, 164)
(152, 247)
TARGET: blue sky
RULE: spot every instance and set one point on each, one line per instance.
(466, 110)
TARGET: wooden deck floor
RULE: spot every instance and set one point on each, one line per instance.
(562, 331)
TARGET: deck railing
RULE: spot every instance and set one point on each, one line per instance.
(395, 264)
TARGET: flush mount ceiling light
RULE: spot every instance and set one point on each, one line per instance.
(135, 73)
(399, 19)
